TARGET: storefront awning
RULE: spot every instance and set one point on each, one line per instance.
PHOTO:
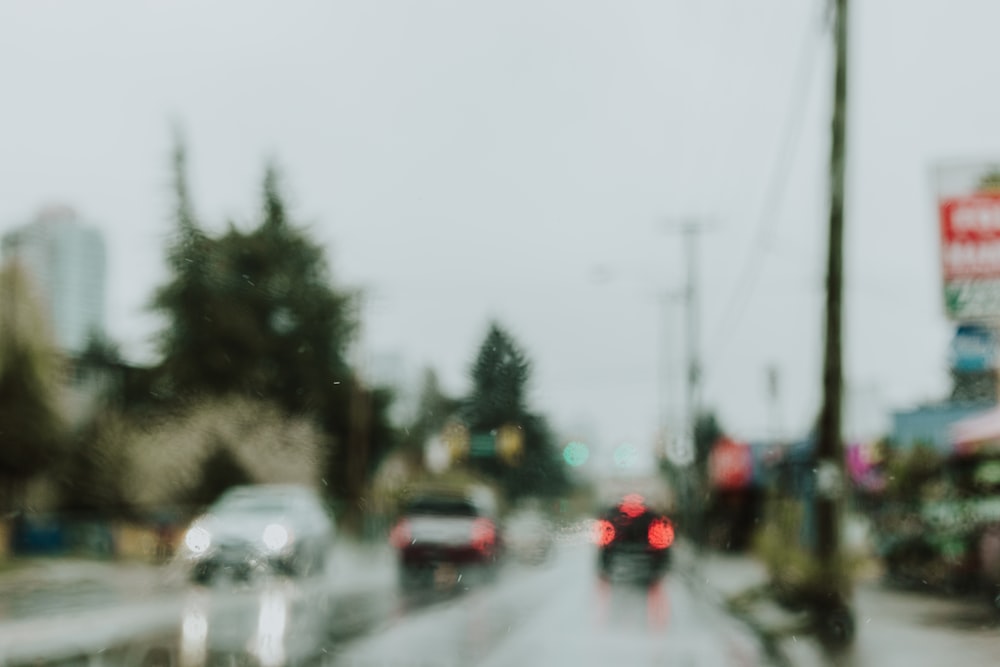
(977, 433)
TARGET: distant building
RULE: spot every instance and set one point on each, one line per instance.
(930, 425)
(65, 259)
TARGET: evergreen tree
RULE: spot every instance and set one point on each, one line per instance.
(253, 313)
(32, 431)
(499, 381)
(192, 359)
(500, 377)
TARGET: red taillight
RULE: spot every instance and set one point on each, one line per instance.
(401, 536)
(660, 534)
(483, 534)
(604, 532)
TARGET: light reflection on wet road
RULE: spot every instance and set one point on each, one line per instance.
(561, 614)
(557, 613)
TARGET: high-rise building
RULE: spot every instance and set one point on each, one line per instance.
(65, 258)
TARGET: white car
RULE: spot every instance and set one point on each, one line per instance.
(281, 529)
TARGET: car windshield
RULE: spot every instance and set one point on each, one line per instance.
(499, 332)
(254, 505)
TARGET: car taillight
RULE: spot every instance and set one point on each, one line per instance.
(401, 535)
(604, 532)
(660, 534)
(483, 534)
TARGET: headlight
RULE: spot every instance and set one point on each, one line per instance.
(198, 539)
(276, 537)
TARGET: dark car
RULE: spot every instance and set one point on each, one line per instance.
(633, 541)
(442, 537)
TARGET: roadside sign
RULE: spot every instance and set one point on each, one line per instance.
(482, 445)
(730, 464)
(969, 230)
(973, 349)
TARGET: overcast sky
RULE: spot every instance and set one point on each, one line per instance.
(528, 160)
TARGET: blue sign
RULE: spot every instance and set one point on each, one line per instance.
(973, 349)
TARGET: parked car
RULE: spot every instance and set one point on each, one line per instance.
(633, 541)
(275, 529)
(443, 535)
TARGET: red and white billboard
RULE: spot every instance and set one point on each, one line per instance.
(969, 219)
(970, 237)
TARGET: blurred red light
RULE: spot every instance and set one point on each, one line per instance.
(660, 534)
(604, 532)
(483, 534)
(400, 536)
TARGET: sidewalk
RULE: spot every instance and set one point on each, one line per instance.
(893, 628)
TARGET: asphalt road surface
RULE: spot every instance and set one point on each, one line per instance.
(557, 613)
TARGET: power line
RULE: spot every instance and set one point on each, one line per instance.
(767, 219)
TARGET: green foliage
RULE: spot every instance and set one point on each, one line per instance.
(32, 432)
(90, 476)
(253, 313)
(911, 473)
(541, 471)
(796, 576)
(499, 382)
(990, 182)
(500, 376)
(219, 472)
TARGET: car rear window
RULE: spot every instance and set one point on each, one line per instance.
(442, 506)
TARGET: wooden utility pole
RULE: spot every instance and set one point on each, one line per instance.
(835, 623)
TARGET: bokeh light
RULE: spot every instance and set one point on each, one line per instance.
(626, 455)
(576, 454)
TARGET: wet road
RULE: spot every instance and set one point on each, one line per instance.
(555, 613)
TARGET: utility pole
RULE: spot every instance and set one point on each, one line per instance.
(832, 614)
(774, 398)
(691, 232)
(691, 229)
(667, 396)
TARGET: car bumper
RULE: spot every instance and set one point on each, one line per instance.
(622, 563)
(429, 555)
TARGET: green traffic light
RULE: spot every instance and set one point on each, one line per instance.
(576, 454)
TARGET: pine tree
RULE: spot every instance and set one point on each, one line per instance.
(500, 376)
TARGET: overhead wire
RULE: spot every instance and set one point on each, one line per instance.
(767, 218)
(717, 155)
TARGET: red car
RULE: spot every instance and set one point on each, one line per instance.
(444, 537)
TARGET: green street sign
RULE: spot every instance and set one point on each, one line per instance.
(482, 445)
